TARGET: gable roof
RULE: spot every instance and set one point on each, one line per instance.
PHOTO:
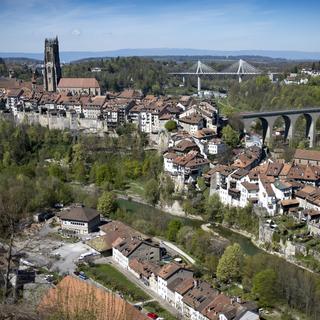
(78, 83)
(307, 154)
(82, 214)
(169, 270)
(73, 296)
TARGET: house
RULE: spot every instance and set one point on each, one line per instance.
(167, 274)
(249, 193)
(308, 174)
(197, 299)
(79, 220)
(180, 290)
(249, 158)
(149, 120)
(115, 111)
(192, 123)
(73, 297)
(216, 146)
(113, 233)
(13, 98)
(92, 109)
(78, 86)
(69, 102)
(48, 101)
(146, 271)
(186, 167)
(267, 197)
(302, 156)
(135, 248)
(309, 197)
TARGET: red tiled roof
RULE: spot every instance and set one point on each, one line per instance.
(78, 83)
(73, 297)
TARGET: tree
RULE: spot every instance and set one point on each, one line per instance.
(152, 192)
(15, 194)
(230, 136)
(107, 204)
(265, 287)
(230, 264)
(214, 208)
(171, 125)
(173, 228)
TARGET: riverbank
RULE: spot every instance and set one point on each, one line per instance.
(247, 241)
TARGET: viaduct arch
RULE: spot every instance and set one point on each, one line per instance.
(289, 116)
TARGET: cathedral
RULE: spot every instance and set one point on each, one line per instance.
(52, 69)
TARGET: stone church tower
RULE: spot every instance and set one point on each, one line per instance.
(52, 69)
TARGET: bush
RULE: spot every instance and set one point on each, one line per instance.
(171, 125)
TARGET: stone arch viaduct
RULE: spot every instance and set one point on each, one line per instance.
(289, 116)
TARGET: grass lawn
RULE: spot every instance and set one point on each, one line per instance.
(111, 278)
(156, 308)
(136, 188)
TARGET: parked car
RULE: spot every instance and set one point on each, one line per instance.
(152, 315)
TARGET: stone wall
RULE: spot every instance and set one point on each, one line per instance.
(69, 122)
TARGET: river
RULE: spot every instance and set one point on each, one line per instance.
(247, 246)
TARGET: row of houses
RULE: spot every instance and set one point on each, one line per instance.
(148, 113)
(276, 186)
(174, 282)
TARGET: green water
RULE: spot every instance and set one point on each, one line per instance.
(245, 243)
(247, 246)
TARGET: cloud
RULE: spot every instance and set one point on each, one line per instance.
(76, 32)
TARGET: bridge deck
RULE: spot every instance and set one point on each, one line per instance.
(250, 115)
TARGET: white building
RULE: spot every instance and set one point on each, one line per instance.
(79, 220)
(169, 273)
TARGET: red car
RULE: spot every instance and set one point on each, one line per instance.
(152, 315)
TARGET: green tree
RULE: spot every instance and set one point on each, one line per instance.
(173, 228)
(152, 192)
(171, 125)
(230, 264)
(107, 204)
(201, 183)
(265, 287)
(79, 171)
(230, 136)
(214, 208)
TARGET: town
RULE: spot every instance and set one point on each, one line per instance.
(75, 252)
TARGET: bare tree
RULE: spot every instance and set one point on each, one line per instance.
(13, 203)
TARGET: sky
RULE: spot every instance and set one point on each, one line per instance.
(101, 25)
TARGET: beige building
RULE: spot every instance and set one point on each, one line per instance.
(80, 220)
(77, 86)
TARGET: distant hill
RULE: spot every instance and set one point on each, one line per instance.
(67, 56)
(21, 60)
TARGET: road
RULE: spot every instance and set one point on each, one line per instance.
(141, 285)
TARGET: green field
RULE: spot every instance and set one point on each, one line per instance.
(156, 308)
(111, 278)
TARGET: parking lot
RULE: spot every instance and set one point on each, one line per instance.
(67, 255)
(45, 248)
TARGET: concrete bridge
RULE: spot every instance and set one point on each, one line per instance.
(289, 116)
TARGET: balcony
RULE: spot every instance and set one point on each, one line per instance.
(234, 193)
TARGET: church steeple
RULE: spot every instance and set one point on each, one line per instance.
(52, 69)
